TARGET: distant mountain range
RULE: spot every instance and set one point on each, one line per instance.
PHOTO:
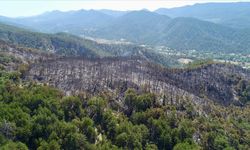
(236, 15)
(203, 27)
(178, 33)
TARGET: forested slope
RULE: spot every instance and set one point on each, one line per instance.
(39, 117)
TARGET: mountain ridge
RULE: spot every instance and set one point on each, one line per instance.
(145, 27)
(176, 33)
(237, 17)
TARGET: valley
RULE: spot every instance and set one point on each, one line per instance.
(193, 55)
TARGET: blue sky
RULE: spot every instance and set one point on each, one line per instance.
(17, 8)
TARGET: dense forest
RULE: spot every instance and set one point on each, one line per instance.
(36, 116)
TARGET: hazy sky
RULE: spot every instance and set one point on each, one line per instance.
(15, 8)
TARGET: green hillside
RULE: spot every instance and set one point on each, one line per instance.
(70, 45)
(58, 43)
(235, 14)
(178, 33)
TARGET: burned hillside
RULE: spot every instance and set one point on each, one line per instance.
(214, 82)
(11, 55)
